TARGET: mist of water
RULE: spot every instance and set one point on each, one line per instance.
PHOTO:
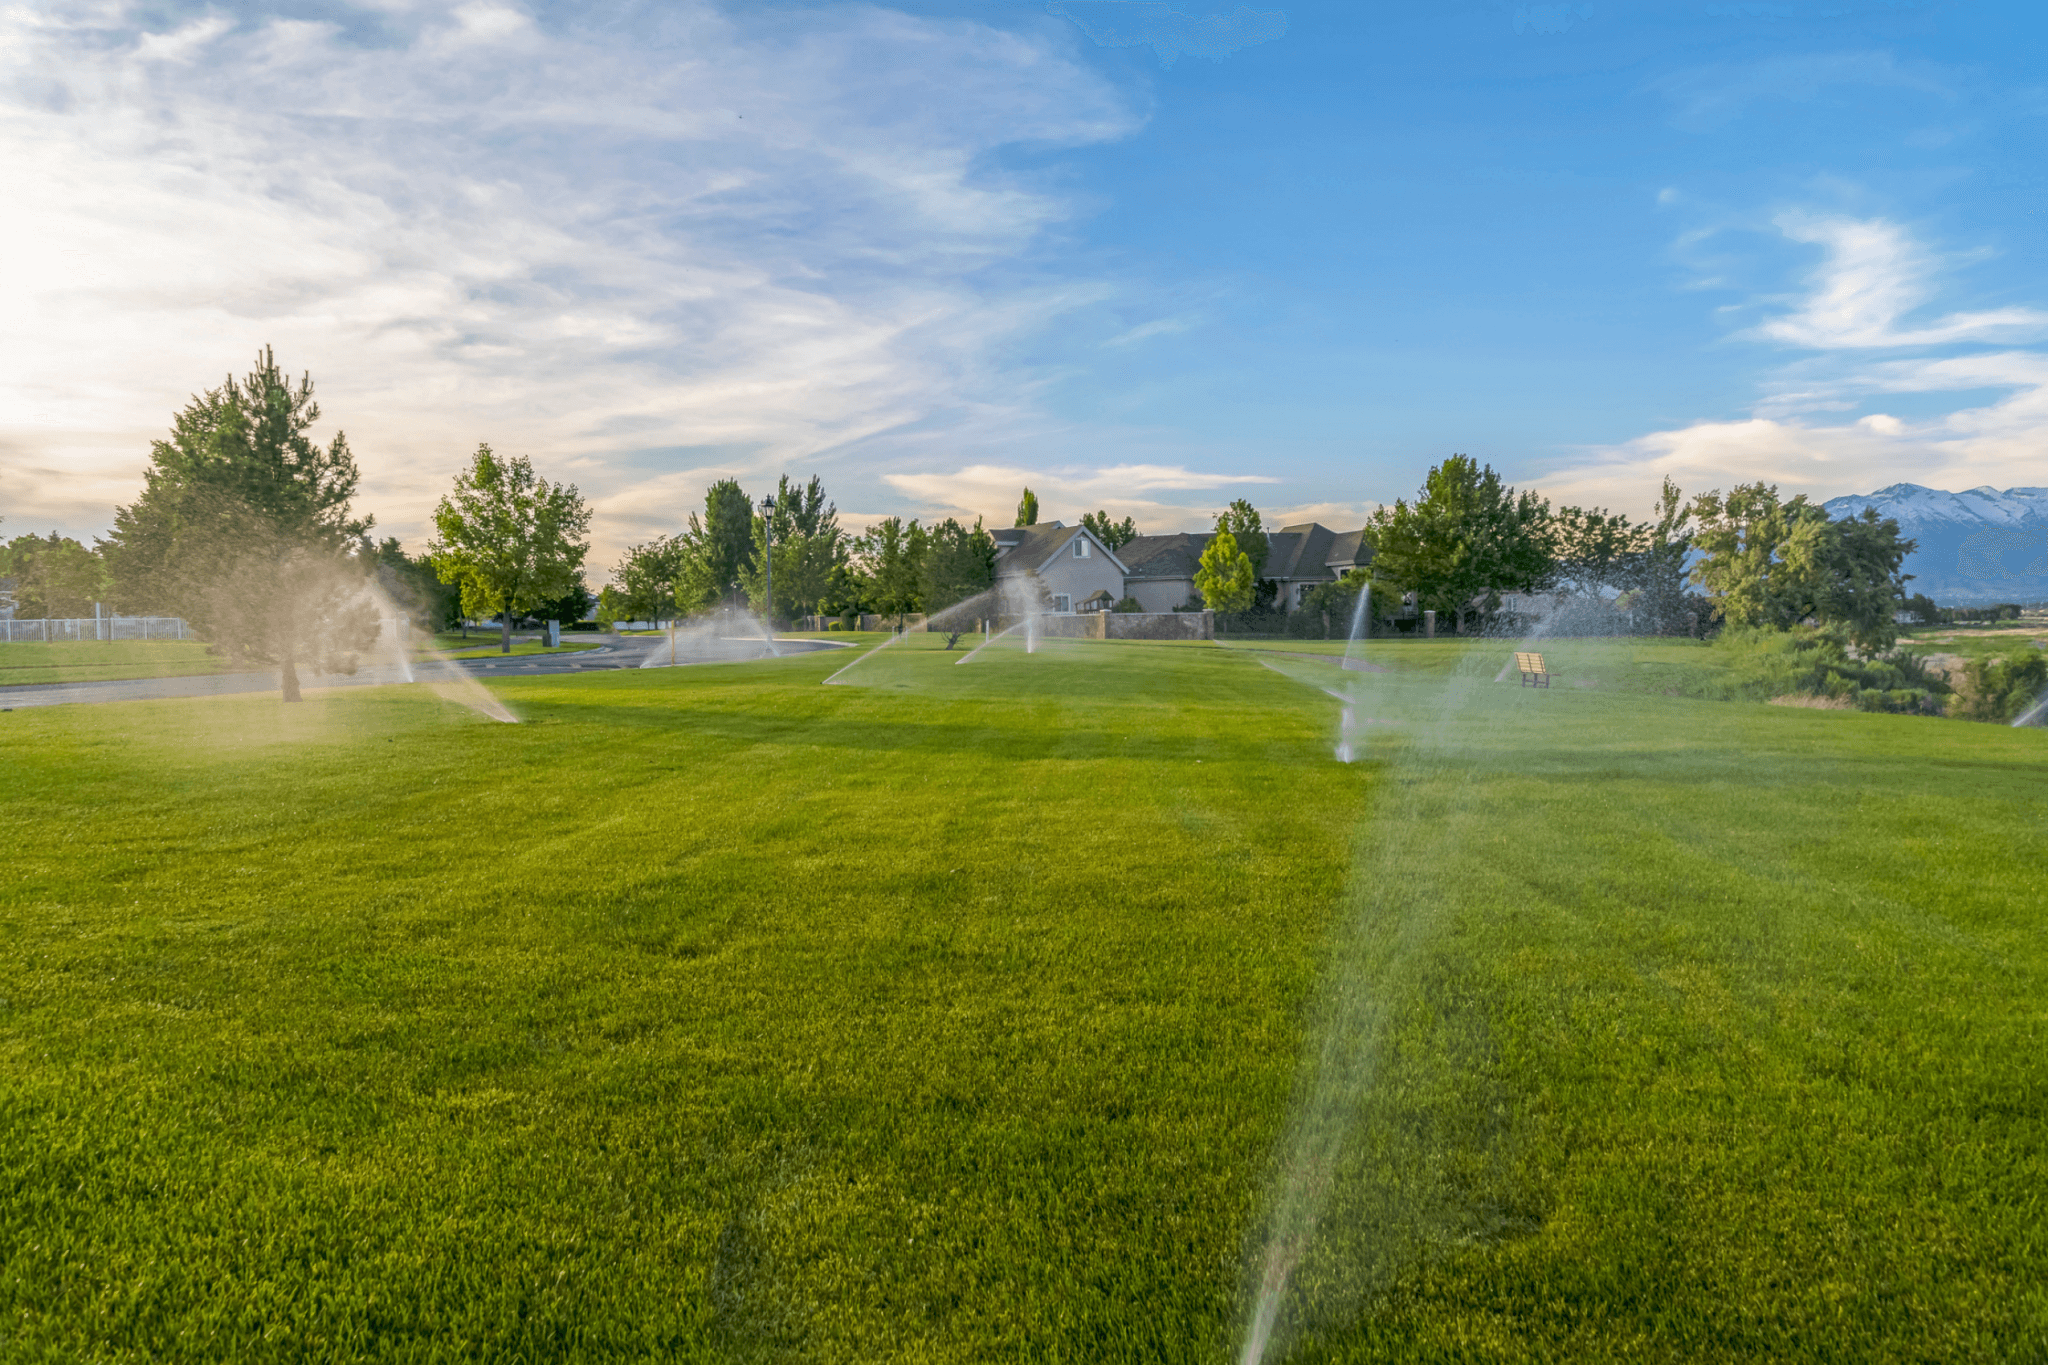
(1398, 910)
(729, 635)
(962, 617)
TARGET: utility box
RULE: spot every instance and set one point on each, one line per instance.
(554, 634)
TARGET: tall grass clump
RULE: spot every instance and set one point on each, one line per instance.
(1756, 664)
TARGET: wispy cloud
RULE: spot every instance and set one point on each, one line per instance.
(1873, 276)
(1709, 97)
(679, 229)
(1158, 327)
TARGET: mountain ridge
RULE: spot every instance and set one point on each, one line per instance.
(1983, 544)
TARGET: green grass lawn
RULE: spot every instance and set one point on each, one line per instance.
(65, 661)
(2007, 640)
(960, 1013)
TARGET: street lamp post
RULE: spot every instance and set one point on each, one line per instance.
(768, 554)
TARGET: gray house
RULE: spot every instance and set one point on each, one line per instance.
(1073, 569)
(1078, 573)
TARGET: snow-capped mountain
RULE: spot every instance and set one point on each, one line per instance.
(1980, 545)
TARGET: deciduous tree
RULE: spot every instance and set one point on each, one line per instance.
(509, 538)
(53, 575)
(811, 551)
(1027, 509)
(645, 578)
(890, 560)
(1224, 576)
(1466, 539)
(959, 564)
(1772, 562)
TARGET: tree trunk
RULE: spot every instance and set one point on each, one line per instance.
(288, 679)
(505, 636)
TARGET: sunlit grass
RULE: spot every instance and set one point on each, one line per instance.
(66, 661)
(954, 1013)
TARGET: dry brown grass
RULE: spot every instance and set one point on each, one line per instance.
(1814, 702)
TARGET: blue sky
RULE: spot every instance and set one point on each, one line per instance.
(1146, 256)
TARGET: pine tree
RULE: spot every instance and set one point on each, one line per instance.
(244, 529)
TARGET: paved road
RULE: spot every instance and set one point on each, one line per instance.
(636, 652)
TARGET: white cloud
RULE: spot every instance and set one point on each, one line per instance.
(685, 230)
(991, 491)
(1998, 443)
(1158, 327)
(1874, 275)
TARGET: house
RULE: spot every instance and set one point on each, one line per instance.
(1070, 564)
(1161, 569)
(1300, 559)
(1077, 569)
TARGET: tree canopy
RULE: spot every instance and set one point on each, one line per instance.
(646, 579)
(1766, 561)
(1466, 539)
(889, 559)
(959, 563)
(1114, 534)
(1224, 576)
(509, 538)
(811, 551)
(413, 585)
(1241, 520)
(1027, 509)
(244, 529)
(53, 575)
(718, 549)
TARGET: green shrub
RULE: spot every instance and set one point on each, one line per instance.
(1758, 663)
(2000, 690)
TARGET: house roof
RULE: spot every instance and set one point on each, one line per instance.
(1348, 550)
(1027, 549)
(1299, 551)
(1168, 557)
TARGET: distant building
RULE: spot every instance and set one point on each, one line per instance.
(1079, 573)
(1070, 564)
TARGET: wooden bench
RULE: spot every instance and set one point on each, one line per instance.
(1534, 672)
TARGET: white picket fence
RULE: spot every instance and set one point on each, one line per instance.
(94, 628)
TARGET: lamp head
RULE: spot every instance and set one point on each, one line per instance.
(768, 503)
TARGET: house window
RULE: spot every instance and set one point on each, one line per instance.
(1062, 603)
(1080, 547)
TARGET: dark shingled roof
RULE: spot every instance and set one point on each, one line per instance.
(1174, 556)
(1298, 551)
(1348, 551)
(1021, 548)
